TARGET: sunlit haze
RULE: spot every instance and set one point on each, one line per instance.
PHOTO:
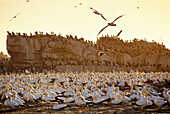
(148, 19)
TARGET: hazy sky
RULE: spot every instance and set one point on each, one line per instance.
(150, 21)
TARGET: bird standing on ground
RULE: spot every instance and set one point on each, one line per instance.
(97, 13)
(14, 17)
(110, 24)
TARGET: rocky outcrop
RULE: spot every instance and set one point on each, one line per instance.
(4, 62)
(69, 53)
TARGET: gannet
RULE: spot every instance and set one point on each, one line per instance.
(59, 106)
(110, 24)
(97, 13)
(158, 101)
(125, 99)
(11, 103)
(69, 99)
(47, 98)
(116, 100)
(28, 96)
(14, 17)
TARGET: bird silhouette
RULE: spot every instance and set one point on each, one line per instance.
(14, 17)
(110, 24)
(97, 13)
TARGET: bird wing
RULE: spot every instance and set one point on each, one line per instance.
(119, 33)
(102, 29)
(117, 18)
(10, 19)
(103, 17)
(14, 16)
(17, 14)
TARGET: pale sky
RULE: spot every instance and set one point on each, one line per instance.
(150, 21)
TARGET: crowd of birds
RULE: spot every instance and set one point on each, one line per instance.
(84, 89)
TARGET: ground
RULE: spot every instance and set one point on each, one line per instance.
(105, 107)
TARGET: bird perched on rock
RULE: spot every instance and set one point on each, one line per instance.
(110, 24)
(97, 13)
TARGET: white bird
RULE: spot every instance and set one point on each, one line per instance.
(11, 103)
(47, 98)
(14, 17)
(86, 93)
(59, 106)
(37, 94)
(142, 102)
(18, 99)
(122, 84)
(166, 94)
(158, 101)
(28, 96)
(97, 13)
(69, 99)
(110, 24)
(19, 102)
(133, 96)
(153, 91)
(125, 99)
(116, 101)
(80, 100)
(27, 72)
(98, 100)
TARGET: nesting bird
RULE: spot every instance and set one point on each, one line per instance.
(59, 106)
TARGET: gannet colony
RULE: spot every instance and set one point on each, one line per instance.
(81, 76)
(63, 91)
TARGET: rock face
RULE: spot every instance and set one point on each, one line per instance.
(51, 52)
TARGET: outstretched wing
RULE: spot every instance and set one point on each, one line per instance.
(102, 29)
(103, 17)
(17, 14)
(119, 33)
(117, 18)
(10, 19)
(14, 16)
